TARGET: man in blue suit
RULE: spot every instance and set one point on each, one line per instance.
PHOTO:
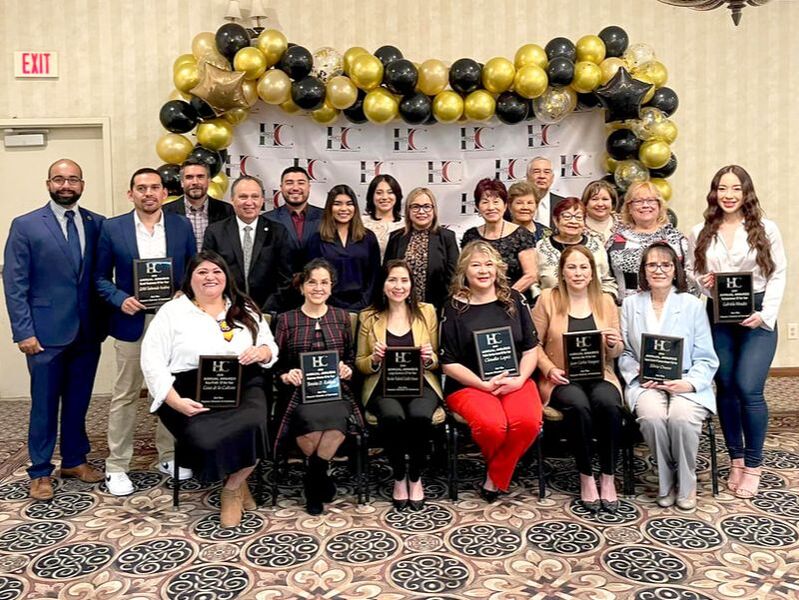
(146, 232)
(47, 278)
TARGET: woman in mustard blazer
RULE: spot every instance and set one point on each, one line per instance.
(396, 318)
(591, 408)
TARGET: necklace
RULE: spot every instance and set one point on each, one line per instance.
(227, 330)
(501, 230)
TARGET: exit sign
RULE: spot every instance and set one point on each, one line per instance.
(35, 64)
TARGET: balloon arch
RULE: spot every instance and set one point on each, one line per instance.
(228, 72)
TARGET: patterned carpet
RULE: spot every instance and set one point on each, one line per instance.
(89, 544)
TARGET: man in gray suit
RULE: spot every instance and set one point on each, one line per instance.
(540, 174)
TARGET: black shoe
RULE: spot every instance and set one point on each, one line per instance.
(313, 504)
(610, 506)
(399, 504)
(489, 496)
(416, 504)
(591, 506)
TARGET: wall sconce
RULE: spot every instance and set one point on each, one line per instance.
(257, 19)
(735, 6)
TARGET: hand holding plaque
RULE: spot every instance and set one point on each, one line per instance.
(320, 376)
(496, 352)
(661, 357)
(584, 353)
(403, 372)
(152, 281)
(219, 381)
(733, 297)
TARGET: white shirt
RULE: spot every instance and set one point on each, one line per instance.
(60, 213)
(740, 257)
(542, 212)
(151, 245)
(179, 333)
(242, 225)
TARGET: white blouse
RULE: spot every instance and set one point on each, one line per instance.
(179, 333)
(382, 231)
(740, 257)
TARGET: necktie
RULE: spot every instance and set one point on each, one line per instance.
(73, 241)
(247, 249)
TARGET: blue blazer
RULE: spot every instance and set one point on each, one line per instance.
(313, 217)
(116, 250)
(47, 294)
(683, 316)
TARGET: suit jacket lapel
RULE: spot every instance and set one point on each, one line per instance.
(129, 233)
(52, 225)
(284, 217)
(261, 233)
(232, 233)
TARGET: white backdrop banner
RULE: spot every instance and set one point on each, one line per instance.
(448, 159)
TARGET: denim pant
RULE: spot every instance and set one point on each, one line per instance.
(745, 356)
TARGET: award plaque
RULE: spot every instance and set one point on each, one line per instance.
(152, 281)
(733, 297)
(219, 381)
(661, 357)
(320, 380)
(496, 352)
(584, 352)
(403, 372)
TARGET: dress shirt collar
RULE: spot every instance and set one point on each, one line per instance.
(61, 211)
(189, 208)
(139, 225)
(242, 225)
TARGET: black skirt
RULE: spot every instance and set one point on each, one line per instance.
(217, 443)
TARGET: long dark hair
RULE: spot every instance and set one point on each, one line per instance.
(753, 223)
(327, 226)
(371, 209)
(242, 309)
(380, 302)
(680, 282)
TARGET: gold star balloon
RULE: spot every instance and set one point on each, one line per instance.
(221, 89)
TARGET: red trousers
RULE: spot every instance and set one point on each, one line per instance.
(503, 426)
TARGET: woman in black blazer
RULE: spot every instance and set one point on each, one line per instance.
(430, 250)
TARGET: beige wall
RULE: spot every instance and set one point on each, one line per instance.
(738, 87)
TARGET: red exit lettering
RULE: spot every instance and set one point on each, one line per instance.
(36, 63)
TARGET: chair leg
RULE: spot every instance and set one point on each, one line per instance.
(259, 482)
(453, 467)
(275, 477)
(542, 482)
(176, 480)
(358, 468)
(714, 469)
(366, 473)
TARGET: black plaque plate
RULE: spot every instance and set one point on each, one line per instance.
(496, 352)
(219, 381)
(152, 281)
(584, 352)
(661, 357)
(403, 372)
(320, 380)
(733, 297)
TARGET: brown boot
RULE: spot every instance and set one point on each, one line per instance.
(41, 488)
(84, 472)
(230, 513)
(247, 501)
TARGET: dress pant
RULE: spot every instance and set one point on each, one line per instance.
(125, 401)
(60, 375)
(504, 427)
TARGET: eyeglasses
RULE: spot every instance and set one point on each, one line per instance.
(653, 267)
(58, 180)
(645, 201)
(419, 208)
(571, 217)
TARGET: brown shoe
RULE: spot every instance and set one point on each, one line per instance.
(41, 488)
(230, 513)
(247, 501)
(83, 472)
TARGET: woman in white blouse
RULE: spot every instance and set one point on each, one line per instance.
(211, 317)
(735, 237)
(384, 209)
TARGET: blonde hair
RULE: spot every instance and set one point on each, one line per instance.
(413, 195)
(650, 187)
(519, 189)
(560, 294)
(460, 286)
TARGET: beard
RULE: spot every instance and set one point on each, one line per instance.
(196, 193)
(65, 201)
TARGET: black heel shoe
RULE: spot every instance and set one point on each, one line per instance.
(610, 506)
(489, 496)
(591, 506)
(399, 504)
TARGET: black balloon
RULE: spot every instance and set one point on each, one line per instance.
(308, 93)
(672, 216)
(511, 108)
(665, 99)
(431, 120)
(230, 38)
(209, 157)
(400, 76)
(530, 111)
(202, 108)
(616, 40)
(415, 108)
(622, 96)
(355, 112)
(588, 100)
(388, 54)
(666, 170)
(561, 47)
(296, 62)
(178, 116)
(170, 178)
(560, 71)
(465, 75)
(622, 144)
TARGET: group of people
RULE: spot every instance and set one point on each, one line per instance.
(540, 265)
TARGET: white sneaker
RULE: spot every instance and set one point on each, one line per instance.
(119, 484)
(168, 468)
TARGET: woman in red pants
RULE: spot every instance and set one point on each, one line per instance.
(504, 411)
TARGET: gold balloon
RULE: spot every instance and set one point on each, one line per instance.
(274, 87)
(654, 154)
(433, 77)
(591, 48)
(171, 199)
(289, 107)
(380, 106)
(273, 44)
(221, 89)
(531, 54)
(498, 74)
(531, 81)
(250, 91)
(663, 186)
(341, 92)
(366, 71)
(178, 95)
(325, 115)
(203, 47)
(653, 71)
(610, 163)
(664, 130)
(609, 66)
(350, 56)
(183, 59)
(186, 77)
(221, 180)
(216, 191)
(251, 62)
(447, 106)
(173, 148)
(587, 77)
(236, 115)
(479, 106)
(215, 134)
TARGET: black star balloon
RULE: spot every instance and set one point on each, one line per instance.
(622, 96)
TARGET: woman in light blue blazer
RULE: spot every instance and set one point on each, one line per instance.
(670, 413)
